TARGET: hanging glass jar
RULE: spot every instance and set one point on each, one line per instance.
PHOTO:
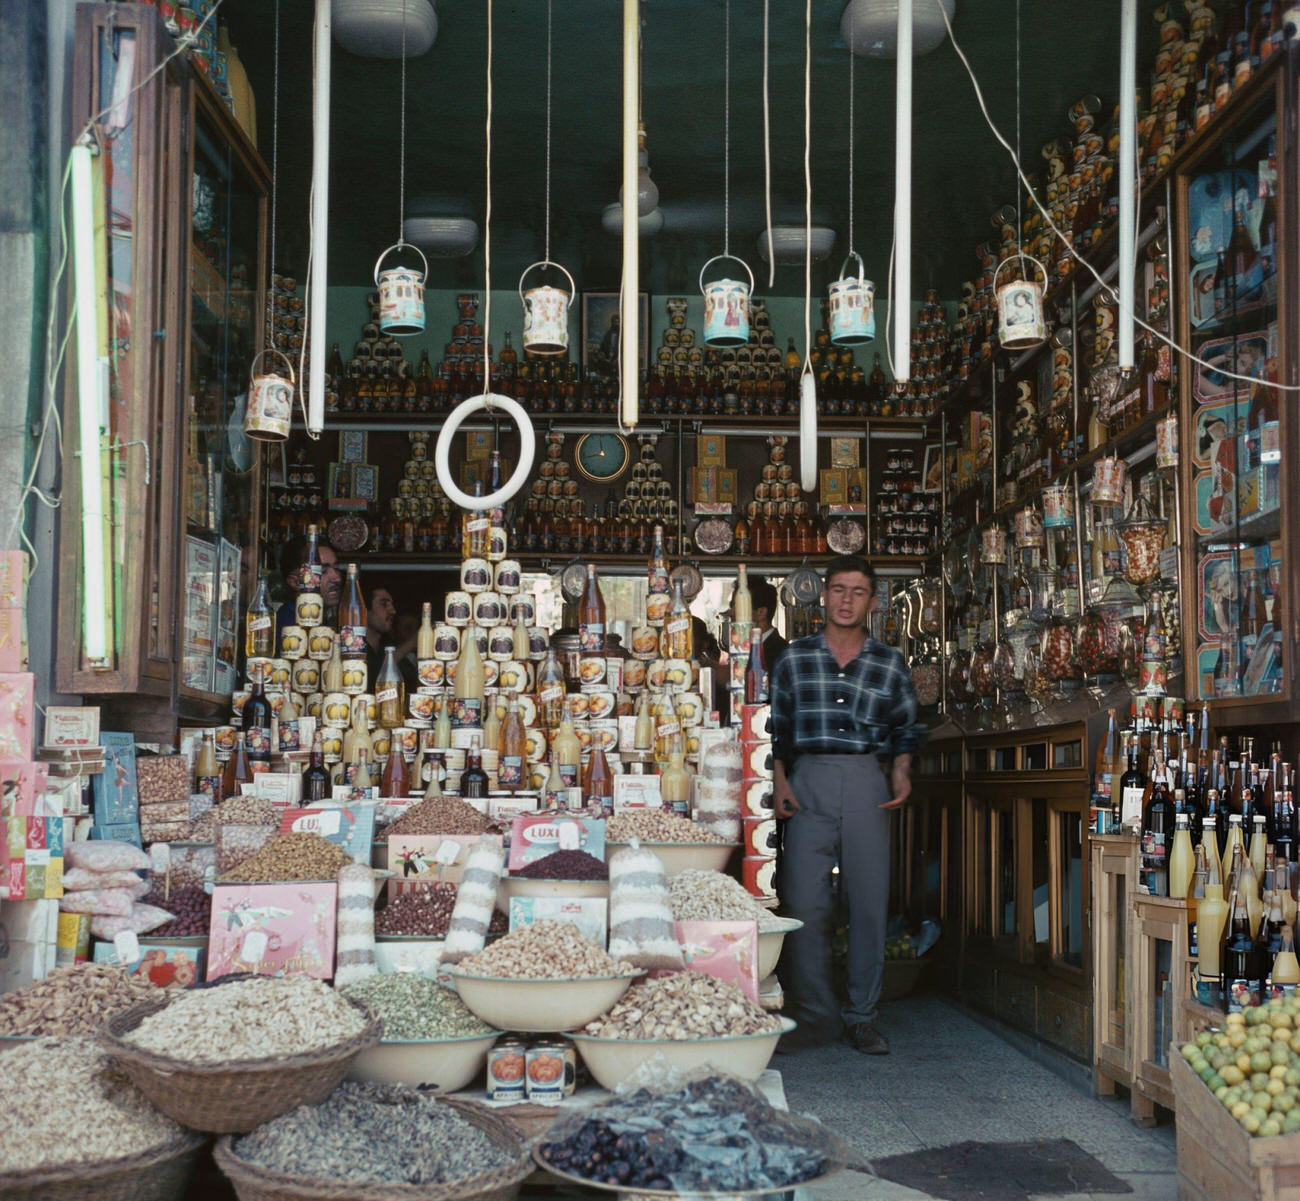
(1143, 535)
(927, 674)
(1006, 673)
(1058, 643)
(1095, 647)
(930, 613)
(1038, 684)
(960, 694)
(983, 683)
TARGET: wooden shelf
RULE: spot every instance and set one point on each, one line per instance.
(752, 425)
(548, 560)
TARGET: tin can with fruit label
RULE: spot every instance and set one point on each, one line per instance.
(507, 1071)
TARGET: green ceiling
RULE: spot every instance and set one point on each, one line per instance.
(961, 175)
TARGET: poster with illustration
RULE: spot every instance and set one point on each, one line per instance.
(1247, 354)
(116, 794)
(1217, 587)
(1215, 459)
(273, 929)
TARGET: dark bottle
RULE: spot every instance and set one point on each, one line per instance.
(316, 779)
(1240, 964)
(1157, 832)
(257, 722)
(238, 770)
(473, 780)
(1132, 788)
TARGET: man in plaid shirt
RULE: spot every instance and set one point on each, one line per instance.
(843, 714)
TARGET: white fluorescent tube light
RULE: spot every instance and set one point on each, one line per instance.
(629, 301)
(320, 218)
(91, 396)
(1127, 181)
(903, 199)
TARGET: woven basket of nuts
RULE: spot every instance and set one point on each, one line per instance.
(159, 1175)
(231, 1095)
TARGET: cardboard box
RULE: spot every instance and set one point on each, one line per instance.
(22, 790)
(29, 935)
(73, 939)
(17, 706)
(125, 832)
(71, 726)
(13, 611)
(704, 485)
(33, 858)
(636, 792)
(350, 826)
(423, 858)
(711, 450)
(116, 791)
(533, 838)
(273, 929)
(589, 914)
(163, 963)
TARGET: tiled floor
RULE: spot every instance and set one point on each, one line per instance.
(950, 1079)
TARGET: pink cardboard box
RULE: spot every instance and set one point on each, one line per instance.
(21, 786)
(727, 950)
(17, 696)
(273, 929)
(13, 611)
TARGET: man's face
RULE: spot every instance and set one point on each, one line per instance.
(382, 611)
(331, 578)
(848, 598)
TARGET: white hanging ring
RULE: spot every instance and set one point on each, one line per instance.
(808, 431)
(527, 450)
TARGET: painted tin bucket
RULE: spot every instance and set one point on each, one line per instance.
(726, 306)
(546, 313)
(1021, 322)
(993, 545)
(1167, 442)
(269, 413)
(1108, 479)
(1028, 524)
(401, 294)
(1058, 506)
(852, 306)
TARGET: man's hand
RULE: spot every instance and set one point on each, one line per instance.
(900, 782)
(784, 803)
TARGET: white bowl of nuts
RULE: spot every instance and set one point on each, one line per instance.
(771, 936)
(685, 856)
(534, 1006)
(746, 1056)
(441, 1064)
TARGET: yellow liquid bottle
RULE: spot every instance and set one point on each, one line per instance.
(1182, 861)
(566, 752)
(1286, 970)
(424, 639)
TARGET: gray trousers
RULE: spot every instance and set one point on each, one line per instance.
(839, 824)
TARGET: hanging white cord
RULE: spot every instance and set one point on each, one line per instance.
(807, 381)
(401, 152)
(486, 400)
(852, 57)
(1020, 223)
(767, 149)
(726, 136)
(1111, 294)
(547, 239)
(275, 145)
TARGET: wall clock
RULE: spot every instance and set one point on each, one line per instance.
(603, 457)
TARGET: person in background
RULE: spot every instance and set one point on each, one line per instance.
(765, 604)
(292, 554)
(844, 729)
(379, 628)
(406, 632)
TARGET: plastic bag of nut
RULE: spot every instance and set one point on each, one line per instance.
(162, 778)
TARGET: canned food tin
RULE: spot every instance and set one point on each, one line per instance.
(522, 604)
(306, 675)
(497, 544)
(509, 576)
(551, 1068)
(423, 705)
(601, 703)
(489, 609)
(337, 709)
(511, 676)
(432, 672)
(760, 837)
(633, 674)
(309, 609)
(507, 1070)
(759, 876)
(592, 669)
(501, 642)
(320, 643)
(355, 676)
(459, 609)
(475, 576)
(258, 669)
(293, 642)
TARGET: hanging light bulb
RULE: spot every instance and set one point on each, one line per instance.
(647, 195)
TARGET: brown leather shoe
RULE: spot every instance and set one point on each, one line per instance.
(866, 1038)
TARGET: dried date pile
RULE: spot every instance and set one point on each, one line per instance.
(190, 905)
(375, 1134)
(565, 865)
(714, 1136)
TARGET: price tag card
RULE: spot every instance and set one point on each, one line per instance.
(127, 946)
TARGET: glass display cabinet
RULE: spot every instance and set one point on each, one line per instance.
(183, 198)
(1233, 190)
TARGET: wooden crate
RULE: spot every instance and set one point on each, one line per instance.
(1217, 1159)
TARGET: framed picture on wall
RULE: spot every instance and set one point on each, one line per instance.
(600, 328)
(935, 462)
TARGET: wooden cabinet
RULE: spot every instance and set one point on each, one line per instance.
(183, 259)
(1114, 878)
(1160, 974)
